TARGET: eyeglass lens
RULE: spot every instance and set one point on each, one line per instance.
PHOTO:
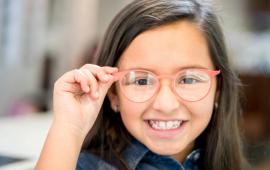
(190, 85)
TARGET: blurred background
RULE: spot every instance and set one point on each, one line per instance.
(42, 39)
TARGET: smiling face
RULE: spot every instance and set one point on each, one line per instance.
(165, 51)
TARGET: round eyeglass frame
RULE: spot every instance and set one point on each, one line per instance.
(119, 75)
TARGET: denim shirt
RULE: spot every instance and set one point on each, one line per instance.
(138, 157)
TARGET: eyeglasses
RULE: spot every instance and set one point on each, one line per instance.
(189, 84)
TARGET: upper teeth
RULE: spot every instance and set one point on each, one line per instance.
(164, 125)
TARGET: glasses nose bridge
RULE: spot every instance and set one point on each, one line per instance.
(166, 88)
(166, 80)
(165, 77)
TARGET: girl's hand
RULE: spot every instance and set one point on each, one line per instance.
(78, 96)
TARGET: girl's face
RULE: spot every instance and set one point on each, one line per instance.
(165, 51)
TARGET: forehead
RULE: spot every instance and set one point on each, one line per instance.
(167, 49)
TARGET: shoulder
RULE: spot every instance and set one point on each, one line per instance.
(89, 161)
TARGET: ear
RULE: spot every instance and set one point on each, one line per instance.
(114, 100)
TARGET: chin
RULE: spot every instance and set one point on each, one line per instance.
(166, 150)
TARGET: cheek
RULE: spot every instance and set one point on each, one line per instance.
(201, 113)
(203, 108)
(129, 110)
(132, 116)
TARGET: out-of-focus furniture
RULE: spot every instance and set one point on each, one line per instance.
(23, 137)
(256, 106)
(256, 113)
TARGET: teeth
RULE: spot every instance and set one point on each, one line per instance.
(165, 125)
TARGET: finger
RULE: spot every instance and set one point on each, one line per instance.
(105, 81)
(82, 79)
(73, 88)
(110, 69)
(92, 82)
(100, 71)
(71, 82)
(100, 74)
(104, 87)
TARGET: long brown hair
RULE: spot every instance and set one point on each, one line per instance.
(221, 139)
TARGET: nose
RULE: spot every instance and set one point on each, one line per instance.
(166, 101)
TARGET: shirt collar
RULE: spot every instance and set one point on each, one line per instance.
(193, 159)
(136, 151)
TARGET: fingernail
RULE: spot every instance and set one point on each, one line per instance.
(106, 77)
(111, 77)
(96, 94)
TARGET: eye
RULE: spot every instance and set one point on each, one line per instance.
(139, 79)
(142, 81)
(192, 77)
(189, 80)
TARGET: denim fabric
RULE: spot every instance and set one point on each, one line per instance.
(138, 157)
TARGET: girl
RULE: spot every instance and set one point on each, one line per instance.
(162, 96)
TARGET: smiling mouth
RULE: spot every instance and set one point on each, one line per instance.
(165, 125)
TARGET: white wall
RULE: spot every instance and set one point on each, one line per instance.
(107, 11)
(73, 24)
(249, 50)
(20, 65)
(74, 33)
